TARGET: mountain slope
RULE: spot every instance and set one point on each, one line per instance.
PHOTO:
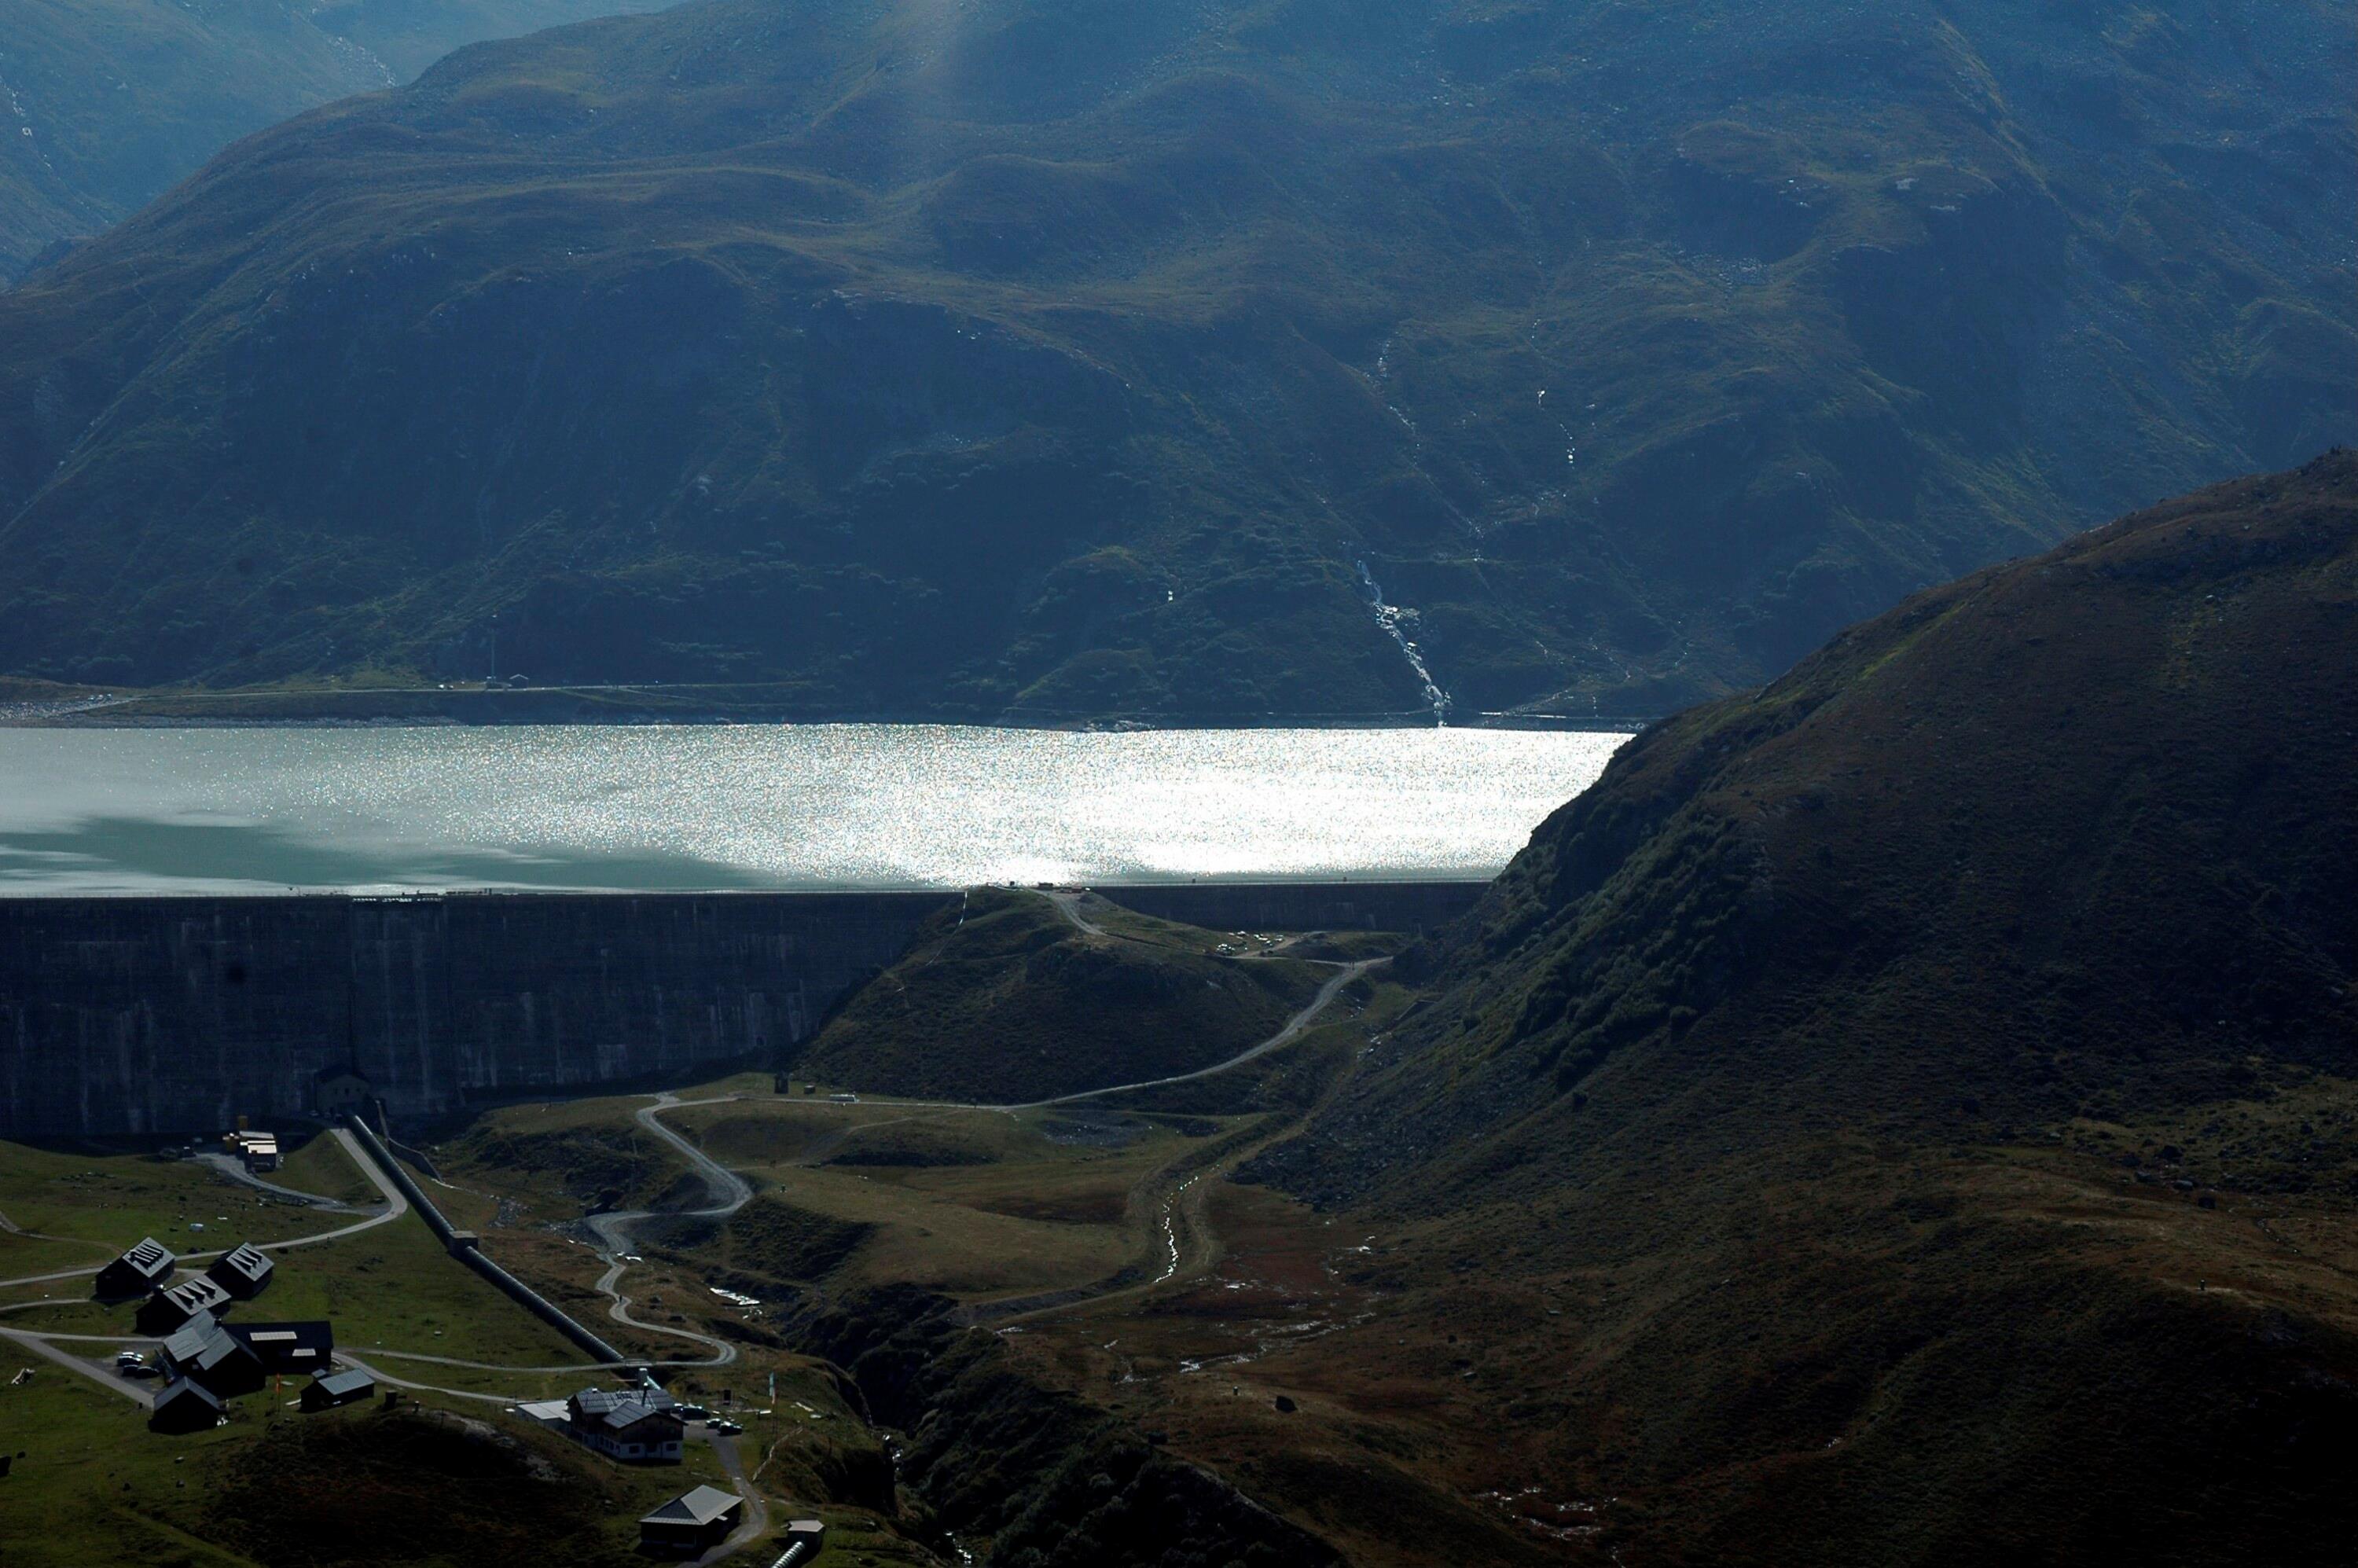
(1068, 357)
(2072, 835)
(1911, 1111)
(104, 105)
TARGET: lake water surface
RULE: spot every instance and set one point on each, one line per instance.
(826, 805)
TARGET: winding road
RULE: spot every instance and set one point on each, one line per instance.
(729, 1193)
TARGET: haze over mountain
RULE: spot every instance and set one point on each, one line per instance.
(1921, 1091)
(108, 104)
(1072, 357)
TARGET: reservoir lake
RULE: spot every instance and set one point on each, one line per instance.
(264, 810)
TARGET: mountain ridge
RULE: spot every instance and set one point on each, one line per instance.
(112, 102)
(1065, 357)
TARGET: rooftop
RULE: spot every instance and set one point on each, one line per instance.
(344, 1382)
(150, 1256)
(619, 1408)
(245, 1260)
(702, 1506)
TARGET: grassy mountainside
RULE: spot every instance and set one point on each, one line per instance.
(104, 105)
(2067, 837)
(1922, 1095)
(1068, 357)
(1008, 1000)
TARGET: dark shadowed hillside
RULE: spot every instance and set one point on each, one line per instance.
(1072, 357)
(2069, 836)
(104, 105)
(1911, 1111)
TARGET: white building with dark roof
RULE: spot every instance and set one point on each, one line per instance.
(639, 1425)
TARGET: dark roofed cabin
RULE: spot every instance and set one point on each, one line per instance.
(338, 1388)
(308, 1346)
(167, 1312)
(214, 1360)
(185, 1406)
(245, 1272)
(691, 1524)
(136, 1273)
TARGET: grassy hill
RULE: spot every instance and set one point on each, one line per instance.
(1008, 1000)
(1073, 358)
(105, 104)
(1922, 1094)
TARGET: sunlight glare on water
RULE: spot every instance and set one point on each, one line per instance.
(804, 805)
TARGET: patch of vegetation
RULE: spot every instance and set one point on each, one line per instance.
(427, 1488)
(73, 1208)
(578, 1154)
(1007, 1000)
(770, 1238)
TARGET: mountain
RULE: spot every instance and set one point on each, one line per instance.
(110, 102)
(1923, 1093)
(1065, 357)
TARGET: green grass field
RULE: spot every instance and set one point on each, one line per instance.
(76, 1210)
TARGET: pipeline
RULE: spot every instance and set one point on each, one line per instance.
(465, 1247)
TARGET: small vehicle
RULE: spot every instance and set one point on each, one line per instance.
(691, 1413)
(726, 1428)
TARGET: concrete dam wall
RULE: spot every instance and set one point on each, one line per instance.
(140, 1016)
(177, 1015)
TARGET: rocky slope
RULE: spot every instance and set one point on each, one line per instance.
(104, 105)
(1068, 358)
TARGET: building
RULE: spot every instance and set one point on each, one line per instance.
(642, 1425)
(138, 1273)
(288, 1346)
(244, 1272)
(339, 1091)
(206, 1354)
(803, 1541)
(185, 1406)
(188, 1339)
(167, 1312)
(258, 1149)
(333, 1388)
(691, 1524)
